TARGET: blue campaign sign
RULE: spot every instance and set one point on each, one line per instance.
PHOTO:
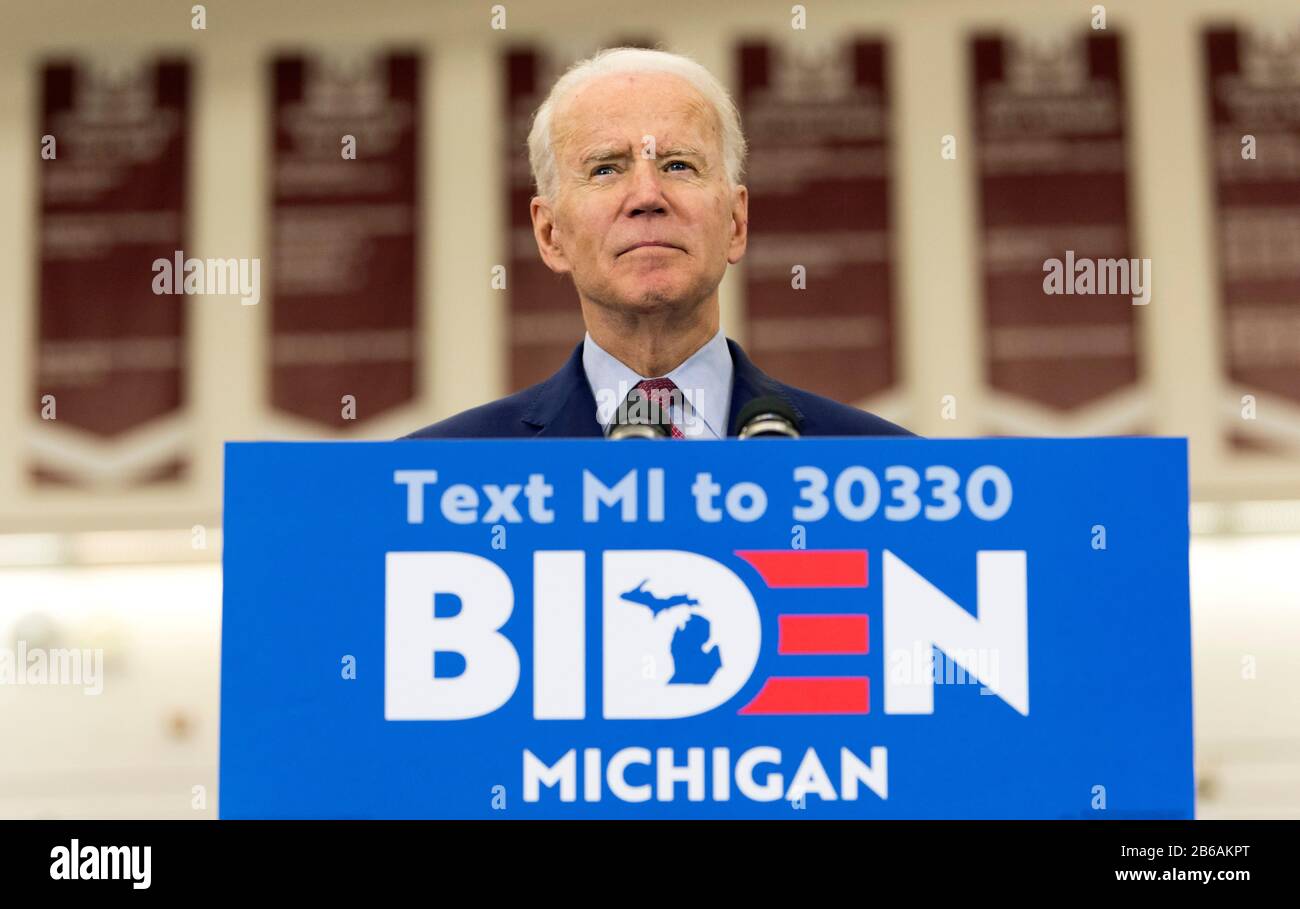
(834, 628)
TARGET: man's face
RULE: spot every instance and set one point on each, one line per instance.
(639, 233)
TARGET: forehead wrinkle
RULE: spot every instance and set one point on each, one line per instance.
(605, 151)
(613, 151)
(693, 107)
(680, 150)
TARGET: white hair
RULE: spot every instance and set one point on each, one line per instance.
(541, 150)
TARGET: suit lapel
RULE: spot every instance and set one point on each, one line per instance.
(749, 382)
(563, 406)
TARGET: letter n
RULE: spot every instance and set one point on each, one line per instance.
(918, 617)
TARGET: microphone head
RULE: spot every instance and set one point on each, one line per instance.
(767, 417)
(638, 417)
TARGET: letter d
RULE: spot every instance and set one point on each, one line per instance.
(638, 643)
(413, 634)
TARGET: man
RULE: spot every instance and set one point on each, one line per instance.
(637, 155)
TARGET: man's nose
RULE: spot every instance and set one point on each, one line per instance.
(646, 195)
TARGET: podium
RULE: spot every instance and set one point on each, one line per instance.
(821, 628)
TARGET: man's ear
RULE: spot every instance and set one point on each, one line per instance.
(544, 231)
(739, 224)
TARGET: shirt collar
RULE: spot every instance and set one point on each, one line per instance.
(704, 378)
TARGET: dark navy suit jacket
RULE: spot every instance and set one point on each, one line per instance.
(564, 407)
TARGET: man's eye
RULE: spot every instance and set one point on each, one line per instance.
(682, 163)
(596, 172)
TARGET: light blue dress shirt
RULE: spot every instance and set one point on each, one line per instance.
(700, 411)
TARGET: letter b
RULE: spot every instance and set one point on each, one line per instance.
(413, 634)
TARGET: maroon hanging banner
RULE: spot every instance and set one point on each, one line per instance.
(1253, 93)
(110, 355)
(345, 210)
(819, 287)
(1061, 285)
(544, 321)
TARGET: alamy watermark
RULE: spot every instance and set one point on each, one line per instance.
(75, 862)
(179, 275)
(660, 407)
(972, 666)
(1129, 277)
(59, 666)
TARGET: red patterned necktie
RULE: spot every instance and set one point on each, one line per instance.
(660, 393)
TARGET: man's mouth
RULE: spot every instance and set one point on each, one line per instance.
(652, 243)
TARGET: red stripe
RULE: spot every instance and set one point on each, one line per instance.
(846, 694)
(821, 634)
(809, 567)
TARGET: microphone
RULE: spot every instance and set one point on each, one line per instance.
(768, 417)
(638, 417)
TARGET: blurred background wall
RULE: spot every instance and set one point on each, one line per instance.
(931, 183)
